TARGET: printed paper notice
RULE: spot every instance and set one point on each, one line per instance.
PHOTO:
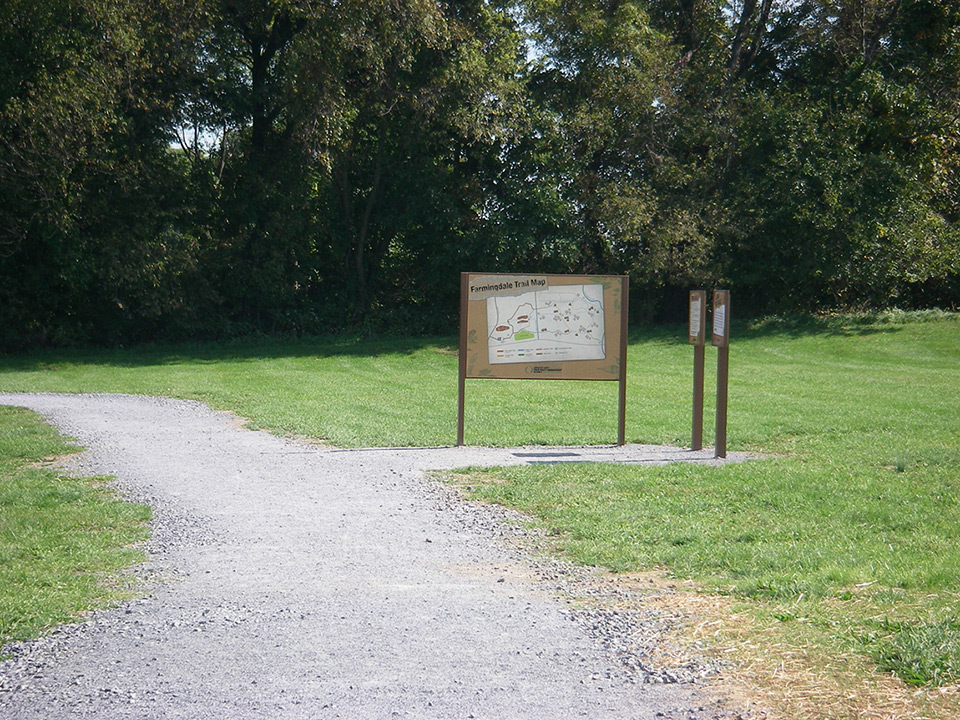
(556, 324)
(696, 313)
(720, 321)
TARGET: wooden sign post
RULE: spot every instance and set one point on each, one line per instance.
(721, 339)
(696, 336)
(543, 327)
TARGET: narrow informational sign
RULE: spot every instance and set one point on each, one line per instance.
(721, 318)
(696, 336)
(698, 315)
(721, 338)
(545, 327)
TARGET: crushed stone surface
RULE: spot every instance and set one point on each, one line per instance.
(289, 580)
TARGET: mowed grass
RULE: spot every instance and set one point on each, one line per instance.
(841, 546)
(350, 393)
(62, 539)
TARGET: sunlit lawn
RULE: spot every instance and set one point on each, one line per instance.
(62, 539)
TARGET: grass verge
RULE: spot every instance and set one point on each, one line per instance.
(62, 539)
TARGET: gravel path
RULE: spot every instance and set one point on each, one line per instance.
(288, 580)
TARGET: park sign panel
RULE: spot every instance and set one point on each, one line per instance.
(543, 327)
(721, 318)
(559, 327)
(696, 334)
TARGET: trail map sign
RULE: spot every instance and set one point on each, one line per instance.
(555, 327)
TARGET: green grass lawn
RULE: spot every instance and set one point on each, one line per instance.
(62, 539)
(852, 525)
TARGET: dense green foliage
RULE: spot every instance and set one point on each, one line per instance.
(174, 169)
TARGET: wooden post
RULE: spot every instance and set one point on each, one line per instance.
(622, 400)
(696, 435)
(721, 338)
(696, 336)
(462, 356)
(723, 365)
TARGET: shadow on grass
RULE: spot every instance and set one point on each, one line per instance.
(268, 348)
(802, 325)
(212, 352)
(839, 325)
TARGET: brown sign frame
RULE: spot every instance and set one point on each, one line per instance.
(477, 288)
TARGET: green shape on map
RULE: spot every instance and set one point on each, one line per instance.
(524, 335)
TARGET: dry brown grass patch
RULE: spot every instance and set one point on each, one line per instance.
(790, 670)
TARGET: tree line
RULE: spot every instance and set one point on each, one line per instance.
(175, 169)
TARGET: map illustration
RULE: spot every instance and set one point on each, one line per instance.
(556, 324)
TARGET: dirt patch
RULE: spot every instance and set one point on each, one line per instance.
(57, 464)
(758, 669)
